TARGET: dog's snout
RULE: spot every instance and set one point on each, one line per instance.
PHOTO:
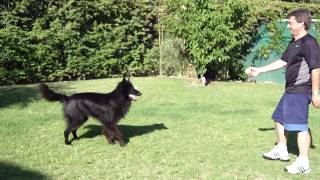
(139, 93)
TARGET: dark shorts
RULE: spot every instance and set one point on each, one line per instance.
(293, 111)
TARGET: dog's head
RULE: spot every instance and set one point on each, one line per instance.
(129, 90)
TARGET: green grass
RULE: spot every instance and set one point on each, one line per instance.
(213, 132)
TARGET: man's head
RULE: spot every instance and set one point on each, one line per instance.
(299, 20)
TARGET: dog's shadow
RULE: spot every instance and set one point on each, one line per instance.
(128, 131)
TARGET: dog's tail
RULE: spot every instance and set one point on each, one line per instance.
(50, 95)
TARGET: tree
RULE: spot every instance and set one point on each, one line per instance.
(70, 39)
(215, 31)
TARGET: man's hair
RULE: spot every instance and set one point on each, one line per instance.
(302, 15)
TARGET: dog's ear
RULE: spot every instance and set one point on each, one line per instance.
(126, 76)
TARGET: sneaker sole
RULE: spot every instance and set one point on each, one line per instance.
(304, 172)
(268, 158)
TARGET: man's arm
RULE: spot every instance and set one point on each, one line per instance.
(315, 73)
(254, 71)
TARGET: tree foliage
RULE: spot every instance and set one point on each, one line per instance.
(270, 14)
(216, 32)
(47, 40)
(219, 33)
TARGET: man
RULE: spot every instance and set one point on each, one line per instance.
(302, 61)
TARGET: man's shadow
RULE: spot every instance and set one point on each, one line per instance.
(291, 140)
(127, 130)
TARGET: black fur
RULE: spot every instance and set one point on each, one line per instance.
(108, 108)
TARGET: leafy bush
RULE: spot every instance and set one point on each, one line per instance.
(47, 40)
(218, 34)
(63, 40)
(215, 31)
(271, 15)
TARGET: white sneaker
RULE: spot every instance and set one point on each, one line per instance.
(277, 153)
(299, 166)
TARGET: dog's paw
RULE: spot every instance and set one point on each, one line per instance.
(68, 143)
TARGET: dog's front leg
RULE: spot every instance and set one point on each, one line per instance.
(108, 133)
(118, 135)
(74, 133)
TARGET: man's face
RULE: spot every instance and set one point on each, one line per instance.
(294, 26)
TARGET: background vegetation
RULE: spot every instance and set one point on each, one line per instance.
(47, 40)
(218, 34)
(51, 40)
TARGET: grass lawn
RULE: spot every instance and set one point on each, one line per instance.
(178, 129)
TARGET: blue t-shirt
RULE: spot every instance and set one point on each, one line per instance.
(301, 56)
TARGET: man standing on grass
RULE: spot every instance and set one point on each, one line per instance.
(302, 61)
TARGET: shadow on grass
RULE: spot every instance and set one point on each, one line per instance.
(18, 95)
(291, 141)
(128, 131)
(266, 129)
(11, 171)
(22, 95)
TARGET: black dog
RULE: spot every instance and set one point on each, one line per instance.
(107, 108)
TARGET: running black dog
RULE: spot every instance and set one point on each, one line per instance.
(108, 108)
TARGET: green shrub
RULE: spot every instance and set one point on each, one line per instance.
(64, 40)
(215, 32)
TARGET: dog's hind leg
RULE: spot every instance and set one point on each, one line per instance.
(66, 136)
(72, 126)
(69, 129)
(70, 121)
